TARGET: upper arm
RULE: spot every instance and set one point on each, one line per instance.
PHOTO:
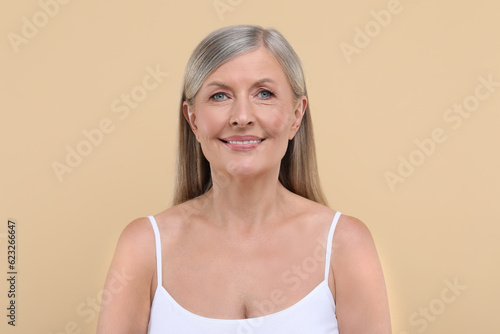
(126, 299)
(361, 298)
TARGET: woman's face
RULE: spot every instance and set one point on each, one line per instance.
(244, 115)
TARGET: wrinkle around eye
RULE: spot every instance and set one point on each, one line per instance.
(267, 91)
(213, 96)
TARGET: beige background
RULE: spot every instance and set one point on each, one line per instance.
(440, 224)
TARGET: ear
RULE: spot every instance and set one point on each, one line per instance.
(190, 116)
(300, 109)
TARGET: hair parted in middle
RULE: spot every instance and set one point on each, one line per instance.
(298, 170)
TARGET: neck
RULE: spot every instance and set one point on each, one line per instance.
(245, 204)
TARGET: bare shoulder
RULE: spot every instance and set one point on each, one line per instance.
(132, 276)
(351, 232)
(360, 292)
(135, 251)
(138, 229)
(129, 281)
(353, 247)
(138, 238)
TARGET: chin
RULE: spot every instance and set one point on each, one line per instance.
(243, 169)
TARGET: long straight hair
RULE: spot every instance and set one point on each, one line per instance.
(298, 169)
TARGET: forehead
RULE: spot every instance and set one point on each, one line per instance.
(249, 67)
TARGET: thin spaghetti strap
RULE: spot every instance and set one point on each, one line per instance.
(158, 249)
(329, 244)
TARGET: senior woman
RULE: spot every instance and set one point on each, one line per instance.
(249, 245)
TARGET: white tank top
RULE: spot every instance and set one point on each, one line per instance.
(315, 313)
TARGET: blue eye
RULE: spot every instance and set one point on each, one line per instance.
(219, 96)
(265, 94)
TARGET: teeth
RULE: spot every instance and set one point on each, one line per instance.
(244, 142)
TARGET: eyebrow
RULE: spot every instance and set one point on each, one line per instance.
(257, 83)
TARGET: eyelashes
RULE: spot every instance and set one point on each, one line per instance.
(267, 92)
(219, 96)
(262, 94)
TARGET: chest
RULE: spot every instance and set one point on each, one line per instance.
(227, 281)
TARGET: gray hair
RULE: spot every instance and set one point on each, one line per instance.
(227, 43)
(298, 169)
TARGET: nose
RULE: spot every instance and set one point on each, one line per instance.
(242, 113)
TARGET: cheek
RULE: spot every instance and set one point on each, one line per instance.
(209, 126)
(277, 123)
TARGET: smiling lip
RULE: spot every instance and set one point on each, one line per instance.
(242, 143)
